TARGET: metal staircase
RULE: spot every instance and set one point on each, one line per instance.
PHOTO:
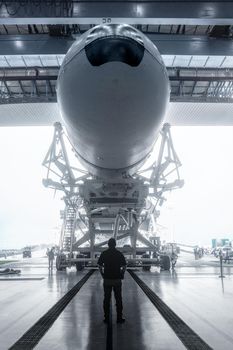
(68, 229)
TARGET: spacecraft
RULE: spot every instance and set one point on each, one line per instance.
(113, 91)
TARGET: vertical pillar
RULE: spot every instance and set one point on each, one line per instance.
(92, 240)
(73, 228)
(134, 237)
(116, 226)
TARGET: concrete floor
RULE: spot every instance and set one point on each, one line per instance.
(194, 291)
(81, 325)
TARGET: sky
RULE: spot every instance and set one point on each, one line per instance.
(200, 211)
(29, 213)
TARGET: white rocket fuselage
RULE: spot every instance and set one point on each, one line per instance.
(113, 91)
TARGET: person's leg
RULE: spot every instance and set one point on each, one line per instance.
(107, 299)
(118, 297)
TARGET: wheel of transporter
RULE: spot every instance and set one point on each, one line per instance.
(59, 263)
(165, 262)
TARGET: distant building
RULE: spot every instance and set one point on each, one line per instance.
(220, 242)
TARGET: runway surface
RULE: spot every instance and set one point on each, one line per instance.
(193, 292)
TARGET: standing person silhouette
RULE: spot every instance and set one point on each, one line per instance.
(112, 267)
(51, 254)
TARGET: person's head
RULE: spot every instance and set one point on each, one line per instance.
(112, 243)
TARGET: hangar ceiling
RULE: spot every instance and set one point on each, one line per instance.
(158, 12)
(195, 39)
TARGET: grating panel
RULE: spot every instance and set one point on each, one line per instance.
(189, 338)
(31, 338)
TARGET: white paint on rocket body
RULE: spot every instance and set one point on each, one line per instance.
(113, 111)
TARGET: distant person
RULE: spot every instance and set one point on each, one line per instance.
(112, 267)
(51, 258)
(174, 258)
(195, 253)
(227, 257)
(200, 253)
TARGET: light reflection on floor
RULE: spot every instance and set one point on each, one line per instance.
(193, 290)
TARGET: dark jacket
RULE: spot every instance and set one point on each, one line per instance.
(112, 260)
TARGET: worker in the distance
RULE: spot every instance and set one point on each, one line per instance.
(112, 267)
(51, 255)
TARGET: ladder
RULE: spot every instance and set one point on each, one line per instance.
(68, 229)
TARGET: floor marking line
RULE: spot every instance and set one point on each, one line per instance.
(32, 337)
(109, 338)
(190, 339)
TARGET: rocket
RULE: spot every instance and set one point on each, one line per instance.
(113, 91)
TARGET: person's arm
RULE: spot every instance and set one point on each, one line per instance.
(123, 261)
(101, 265)
(123, 265)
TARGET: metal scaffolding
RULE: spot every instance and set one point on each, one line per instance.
(38, 84)
(96, 208)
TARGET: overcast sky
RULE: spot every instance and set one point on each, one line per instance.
(201, 210)
(29, 213)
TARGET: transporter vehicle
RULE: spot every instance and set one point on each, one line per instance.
(158, 259)
(164, 256)
(227, 252)
(27, 252)
(113, 92)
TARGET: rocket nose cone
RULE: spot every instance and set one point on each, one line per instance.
(114, 49)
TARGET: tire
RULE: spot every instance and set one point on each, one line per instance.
(146, 268)
(165, 262)
(79, 266)
(58, 263)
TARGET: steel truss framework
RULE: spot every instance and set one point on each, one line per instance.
(187, 85)
(66, 30)
(132, 12)
(96, 208)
